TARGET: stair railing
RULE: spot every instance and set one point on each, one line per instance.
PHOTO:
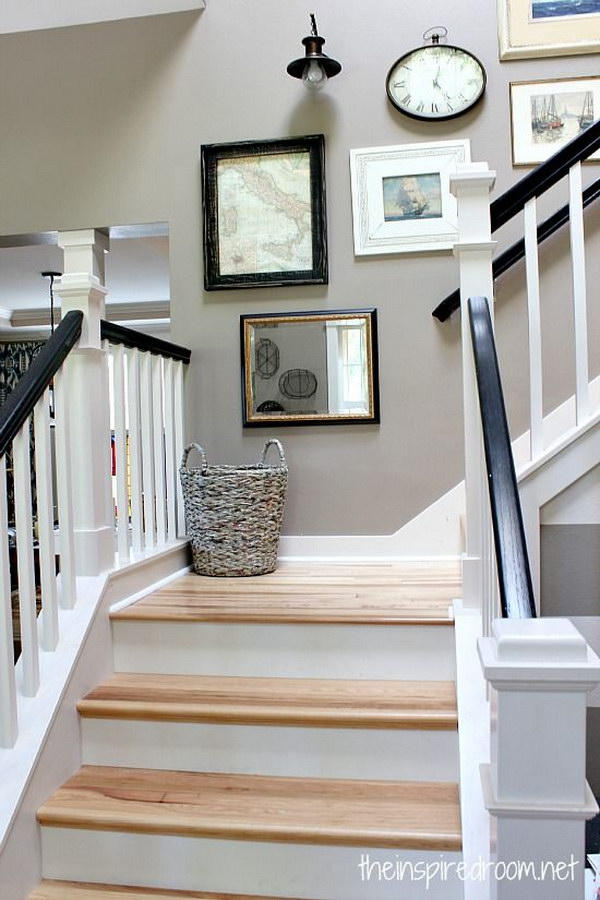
(512, 560)
(523, 195)
(532, 785)
(147, 426)
(66, 518)
(542, 435)
(49, 536)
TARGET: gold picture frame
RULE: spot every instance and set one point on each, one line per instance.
(310, 368)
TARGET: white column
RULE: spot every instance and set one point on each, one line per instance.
(86, 369)
(471, 185)
(535, 787)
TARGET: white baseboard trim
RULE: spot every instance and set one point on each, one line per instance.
(433, 534)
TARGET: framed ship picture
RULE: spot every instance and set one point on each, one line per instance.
(264, 213)
(546, 115)
(401, 200)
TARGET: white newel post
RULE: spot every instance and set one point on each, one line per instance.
(86, 369)
(535, 788)
(471, 185)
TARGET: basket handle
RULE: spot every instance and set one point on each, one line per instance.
(275, 443)
(187, 452)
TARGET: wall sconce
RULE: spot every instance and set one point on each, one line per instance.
(314, 68)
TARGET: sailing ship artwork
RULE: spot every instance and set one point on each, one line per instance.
(560, 116)
(559, 9)
(408, 197)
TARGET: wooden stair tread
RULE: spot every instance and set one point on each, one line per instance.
(78, 890)
(392, 594)
(274, 701)
(412, 815)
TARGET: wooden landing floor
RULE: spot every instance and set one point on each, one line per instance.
(363, 594)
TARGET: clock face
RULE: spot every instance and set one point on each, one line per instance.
(436, 82)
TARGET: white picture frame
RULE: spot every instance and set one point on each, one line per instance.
(401, 200)
(536, 105)
(525, 34)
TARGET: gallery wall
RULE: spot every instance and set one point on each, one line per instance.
(103, 124)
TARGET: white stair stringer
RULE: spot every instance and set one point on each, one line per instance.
(310, 871)
(378, 753)
(406, 651)
(557, 469)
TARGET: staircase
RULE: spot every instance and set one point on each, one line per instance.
(265, 736)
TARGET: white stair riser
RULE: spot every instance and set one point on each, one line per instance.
(413, 652)
(392, 754)
(241, 867)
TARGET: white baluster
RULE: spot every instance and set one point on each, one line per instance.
(171, 461)
(147, 449)
(45, 514)
(118, 354)
(68, 593)
(135, 449)
(579, 294)
(536, 439)
(178, 378)
(159, 448)
(30, 672)
(8, 693)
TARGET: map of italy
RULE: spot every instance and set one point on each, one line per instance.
(264, 214)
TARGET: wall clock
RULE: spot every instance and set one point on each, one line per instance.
(436, 81)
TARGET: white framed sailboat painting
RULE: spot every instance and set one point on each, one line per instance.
(531, 28)
(545, 115)
(401, 198)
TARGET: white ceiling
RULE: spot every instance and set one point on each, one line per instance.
(137, 271)
(35, 15)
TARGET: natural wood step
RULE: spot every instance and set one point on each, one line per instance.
(274, 701)
(77, 890)
(409, 593)
(411, 815)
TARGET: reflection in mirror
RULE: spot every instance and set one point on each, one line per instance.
(310, 368)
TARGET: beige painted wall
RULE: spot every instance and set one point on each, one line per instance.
(103, 124)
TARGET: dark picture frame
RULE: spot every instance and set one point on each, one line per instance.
(264, 213)
(310, 368)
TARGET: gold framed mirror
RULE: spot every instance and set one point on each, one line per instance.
(314, 368)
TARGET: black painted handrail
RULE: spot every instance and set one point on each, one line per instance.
(19, 404)
(532, 185)
(514, 575)
(118, 334)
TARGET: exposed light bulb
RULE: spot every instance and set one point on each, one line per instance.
(314, 76)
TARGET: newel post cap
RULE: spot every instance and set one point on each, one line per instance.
(472, 176)
(532, 652)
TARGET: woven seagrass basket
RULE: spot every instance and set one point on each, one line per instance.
(234, 513)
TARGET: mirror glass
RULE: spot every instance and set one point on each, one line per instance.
(310, 368)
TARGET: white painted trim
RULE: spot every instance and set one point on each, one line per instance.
(393, 754)
(473, 745)
(587, 810)
(432, 534)
(237, 867)
(156, 586)
(138, 311)
(36, 714)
